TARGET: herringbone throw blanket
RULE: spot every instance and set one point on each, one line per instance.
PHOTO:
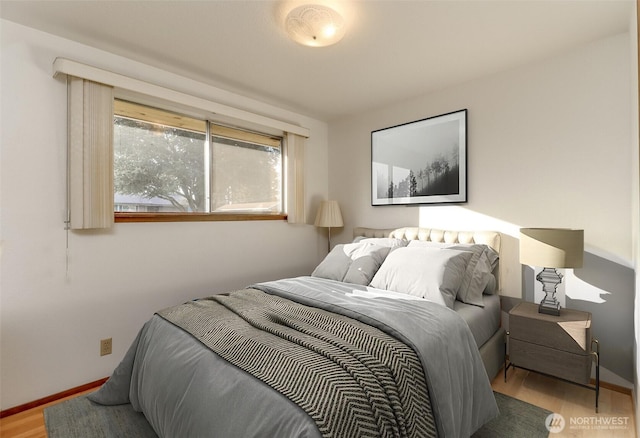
(352, 379)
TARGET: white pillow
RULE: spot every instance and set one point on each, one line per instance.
(430, 273)
(352, 263)
(427, 244)
(382, 241)
(478, 274)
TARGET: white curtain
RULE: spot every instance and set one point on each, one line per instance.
(90, 154)
(295, 179)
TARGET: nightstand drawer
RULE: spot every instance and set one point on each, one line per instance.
(563, 364)
(569, 332)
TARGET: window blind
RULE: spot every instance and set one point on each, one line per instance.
(295, 179)
(90, 154)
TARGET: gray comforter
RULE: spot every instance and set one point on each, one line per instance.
(185, 390)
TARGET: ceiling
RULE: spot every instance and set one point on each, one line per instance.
(392, 50)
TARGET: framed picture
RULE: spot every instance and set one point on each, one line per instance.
(421, 162)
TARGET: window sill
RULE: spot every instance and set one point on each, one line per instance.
(195, 217)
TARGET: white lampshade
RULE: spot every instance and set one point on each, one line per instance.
(329, 215)
(551, 247)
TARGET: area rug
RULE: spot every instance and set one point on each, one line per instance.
(81, 418)
(517, 419)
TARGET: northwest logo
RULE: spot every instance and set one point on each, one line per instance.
(554, 423)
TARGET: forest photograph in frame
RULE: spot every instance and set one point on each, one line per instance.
(421, 162)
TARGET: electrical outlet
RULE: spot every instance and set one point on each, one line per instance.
(105, 346)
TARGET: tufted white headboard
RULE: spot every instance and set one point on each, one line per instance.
(489, 238)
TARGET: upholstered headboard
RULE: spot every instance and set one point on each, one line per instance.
(489, 238)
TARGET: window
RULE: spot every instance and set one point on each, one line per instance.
(168, 166)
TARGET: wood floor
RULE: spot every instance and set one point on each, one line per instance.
(570, 401)
(574, 403)
(29, 424)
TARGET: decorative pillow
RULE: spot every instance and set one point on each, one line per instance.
(430, 273)
(334, 266)
(352, 263)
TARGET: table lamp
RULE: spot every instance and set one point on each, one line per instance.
(329, 216)
(551, 248)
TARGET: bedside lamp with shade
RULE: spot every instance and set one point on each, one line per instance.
(329, 216)
(551, 248)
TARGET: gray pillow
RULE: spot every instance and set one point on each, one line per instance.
(362, 269)
(478, 273)
(491, 286)
(334, 266)
(430, 273)
(352, 263)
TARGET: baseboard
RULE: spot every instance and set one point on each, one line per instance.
(613, 387)
(52, 398)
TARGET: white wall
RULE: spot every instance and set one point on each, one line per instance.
(57, 303)
(549, 145)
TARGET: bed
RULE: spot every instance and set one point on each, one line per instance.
(354, 349)
(484, 322)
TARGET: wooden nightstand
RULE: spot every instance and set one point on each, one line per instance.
(557, 346)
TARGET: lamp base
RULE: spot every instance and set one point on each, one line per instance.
(549, 307)
(550, 279)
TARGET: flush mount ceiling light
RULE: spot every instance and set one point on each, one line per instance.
(315, 25)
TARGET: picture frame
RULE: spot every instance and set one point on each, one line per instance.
(420, 162)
